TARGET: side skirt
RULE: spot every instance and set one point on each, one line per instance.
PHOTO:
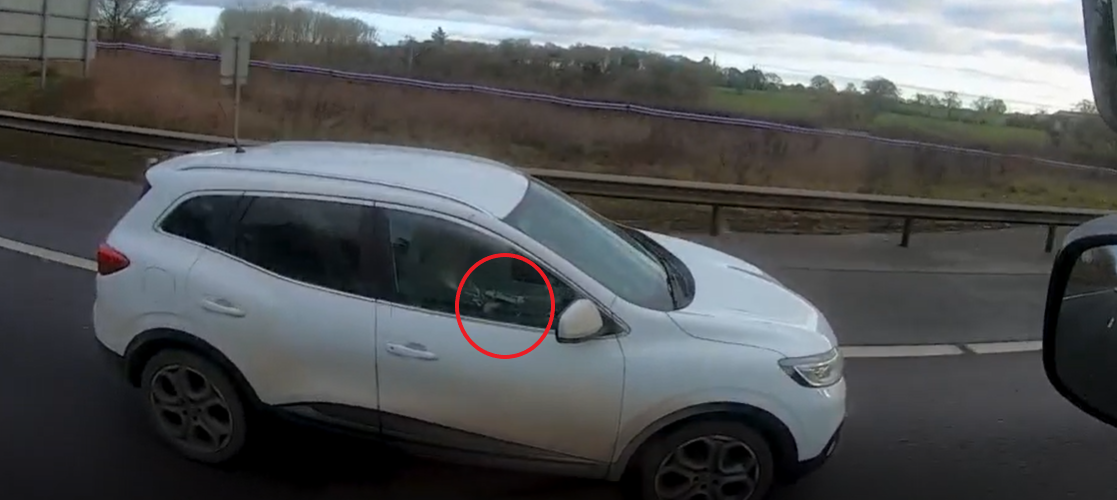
(429, 440)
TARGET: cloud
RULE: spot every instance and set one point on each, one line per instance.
(1048, 31)
(1015, 41)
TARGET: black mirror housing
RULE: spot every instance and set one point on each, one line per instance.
(1101, 52)
(1080, 320)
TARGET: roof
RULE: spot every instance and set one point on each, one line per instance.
(485, 184)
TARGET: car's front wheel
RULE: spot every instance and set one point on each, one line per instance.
(715, 460)
(194, 407)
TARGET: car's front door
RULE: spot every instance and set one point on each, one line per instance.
(557, 405)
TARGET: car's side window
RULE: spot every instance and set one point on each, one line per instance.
(432, 254)
(312, 241)
(202, 219)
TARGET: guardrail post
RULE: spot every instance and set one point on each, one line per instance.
(905, 238)
(1050, 243)
(717, 223)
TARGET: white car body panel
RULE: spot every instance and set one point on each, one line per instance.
(321, 350)
(581, 403)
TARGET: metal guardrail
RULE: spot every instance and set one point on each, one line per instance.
(717, 196)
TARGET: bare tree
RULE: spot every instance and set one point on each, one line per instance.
(439, 37)
(951, 102)
(882, 88)
(294, 26)
(1085, 106)
(821, 83)
(131, 20)
(986, 104)
(931, 101)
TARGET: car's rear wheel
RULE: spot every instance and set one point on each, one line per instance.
(707, 460)
(194, 407)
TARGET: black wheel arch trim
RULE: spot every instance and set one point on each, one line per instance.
(784, 449)
(150, 342)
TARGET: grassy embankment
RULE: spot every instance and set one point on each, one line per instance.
(156, 92)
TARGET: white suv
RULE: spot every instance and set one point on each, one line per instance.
(324, 282)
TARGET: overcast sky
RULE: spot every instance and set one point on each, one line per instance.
(1028, 52)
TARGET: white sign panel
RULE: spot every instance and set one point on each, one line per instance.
(48, 29)
(234, 60)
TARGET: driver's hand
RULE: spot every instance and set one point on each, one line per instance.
(491, 307)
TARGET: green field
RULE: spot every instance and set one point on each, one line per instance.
(791, 106)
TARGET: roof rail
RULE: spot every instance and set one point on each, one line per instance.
(273, 170)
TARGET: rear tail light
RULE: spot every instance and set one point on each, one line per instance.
(110, 260)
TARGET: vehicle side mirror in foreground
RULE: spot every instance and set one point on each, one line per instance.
(579, 321)
(1101, 53)
(1080, 321)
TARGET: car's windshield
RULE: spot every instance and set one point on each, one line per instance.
(594, 245)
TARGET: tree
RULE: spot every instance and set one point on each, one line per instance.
(439, 37)
(630, 60)
(294, 26)
(951, 102)
(998, 106)
(1086, 106)
(773, 81)
(851, 89)
(881, 88)
(821, 83)
(754, 79)
(131, 20)
(931, 101)
(192, 35)
(985, 104)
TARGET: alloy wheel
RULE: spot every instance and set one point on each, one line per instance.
(190, 409)
(708, 468)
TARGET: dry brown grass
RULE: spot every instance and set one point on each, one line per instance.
(158, 92)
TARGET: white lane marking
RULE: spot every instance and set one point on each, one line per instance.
(874, 351)
(50, 255)
(1090, 294)
(1006, 347)
(901, 351)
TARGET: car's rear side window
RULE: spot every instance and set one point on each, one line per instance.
(311, 241)
(202, 219)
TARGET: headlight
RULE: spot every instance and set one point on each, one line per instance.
(819, 370)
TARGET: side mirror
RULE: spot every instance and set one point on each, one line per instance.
(1080, 321)
(580, 320)
(1101, 53)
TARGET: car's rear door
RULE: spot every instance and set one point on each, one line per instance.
(289, 301)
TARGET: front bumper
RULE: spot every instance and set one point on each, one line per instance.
(806, 467)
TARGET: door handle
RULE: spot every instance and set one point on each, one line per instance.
(222, 306)
(411, 350)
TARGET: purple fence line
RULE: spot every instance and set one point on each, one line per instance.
(577, 103)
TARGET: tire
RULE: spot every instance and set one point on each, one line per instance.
(188, 398)
(674, 466)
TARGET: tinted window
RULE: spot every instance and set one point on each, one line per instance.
(593, 244)
(431, 255)
(315, 242)
(201, 219)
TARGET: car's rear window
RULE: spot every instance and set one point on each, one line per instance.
(202, 219)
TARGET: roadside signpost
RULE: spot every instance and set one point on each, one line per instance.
(234, 72)
(45, 30)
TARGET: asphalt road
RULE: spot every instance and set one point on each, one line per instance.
(984, 426)
(922, 428)
(946, 289)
